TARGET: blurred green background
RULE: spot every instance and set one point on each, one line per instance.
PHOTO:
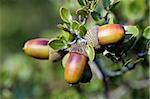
(22, 77)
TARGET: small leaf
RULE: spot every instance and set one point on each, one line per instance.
(90, 52)
(65, 15)
(62, 26)
(146, 33)
(81, 2)
(111, 20)
(132, 30)
(57, 44)
(64, 60)
(82, 30)
(66, 36)
(106, 4)
(75, 25)
(82, 12)
(95, 15)
(100, 22)
(114, 3)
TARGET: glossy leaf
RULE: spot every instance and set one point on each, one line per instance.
(146, 33)
(65, 15)
(57, 44)
(90, 52)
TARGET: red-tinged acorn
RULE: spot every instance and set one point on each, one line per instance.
(75, 64)
(105, 35)
(37, 48)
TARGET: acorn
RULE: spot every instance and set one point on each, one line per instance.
(87, 75)
(75, 64)
(37, 48)
(105, 35)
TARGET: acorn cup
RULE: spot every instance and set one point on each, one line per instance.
(75, 64)
(105, 35)
(37, 48)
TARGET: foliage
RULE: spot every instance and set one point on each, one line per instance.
(23, 77)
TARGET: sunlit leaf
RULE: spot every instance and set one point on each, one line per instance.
(132, 30)
(114, 3)
(146, 33)
(62, 26)
(111, 20)
(65, 15)
(66, 36)
(90, 52)
(75, 25)
(64, 60)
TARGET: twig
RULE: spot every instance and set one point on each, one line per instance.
(101, 73)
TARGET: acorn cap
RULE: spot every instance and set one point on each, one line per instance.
(54, 55)
(79, 48)
(92, 36)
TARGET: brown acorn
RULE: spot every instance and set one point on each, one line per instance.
(37, 48)
(75, 64)
(105, 35)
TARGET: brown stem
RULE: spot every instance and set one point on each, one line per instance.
(100, 72)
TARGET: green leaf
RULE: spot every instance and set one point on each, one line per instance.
(62, 26)
(82, 30)
(111, 20)
(75, 25)
(132, 30)
(81, 2)
(65, 15)
(106, 4)
(114, 3)
(100, 22)
(64, 60)
(57, 44)
(90, 52)
(82, 12)
(95, 15)
(66, 36)
(146, 33)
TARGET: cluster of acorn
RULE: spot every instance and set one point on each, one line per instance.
(76, 68)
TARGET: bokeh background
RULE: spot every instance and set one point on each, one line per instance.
(22, 77)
